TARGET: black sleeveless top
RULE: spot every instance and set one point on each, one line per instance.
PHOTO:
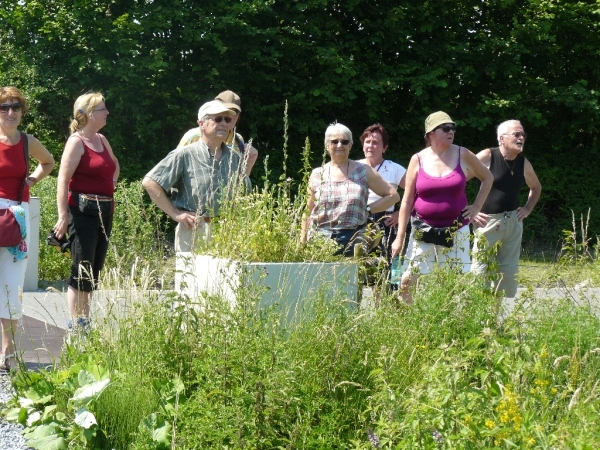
(509, 178)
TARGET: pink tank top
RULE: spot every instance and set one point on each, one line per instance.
(441, 199)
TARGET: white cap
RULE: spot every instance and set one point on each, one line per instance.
(213, 107)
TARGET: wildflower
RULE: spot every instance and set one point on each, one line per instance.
(508, 410)
(374, 439)
(490, 423)
(437, 436)
(530, 441)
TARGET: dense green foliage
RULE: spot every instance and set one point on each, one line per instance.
(443, 373)
(138, 233)
(354, 61)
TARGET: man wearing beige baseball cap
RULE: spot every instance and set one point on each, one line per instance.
(196, 175)
(234, 140)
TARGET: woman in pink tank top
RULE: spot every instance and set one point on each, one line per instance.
(435, 192)
(88, 172)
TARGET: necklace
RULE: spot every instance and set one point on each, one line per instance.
(331, 199)
(512, 169)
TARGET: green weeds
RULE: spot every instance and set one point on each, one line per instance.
(138, 234)
(445, 372)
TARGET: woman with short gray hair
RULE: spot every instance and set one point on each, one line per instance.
(338, 193)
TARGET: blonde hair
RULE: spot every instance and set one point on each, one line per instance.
(84, 106)
(8, 92)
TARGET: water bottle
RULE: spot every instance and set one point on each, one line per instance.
(396, 270)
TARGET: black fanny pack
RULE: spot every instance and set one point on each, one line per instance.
(94, 205)
(433, 235)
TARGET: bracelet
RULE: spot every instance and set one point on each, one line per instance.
(33, 180)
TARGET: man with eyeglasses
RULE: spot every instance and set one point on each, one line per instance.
(234, 140)
(196, 176)
(501, 217)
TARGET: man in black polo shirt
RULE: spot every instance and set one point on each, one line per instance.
(501, 217)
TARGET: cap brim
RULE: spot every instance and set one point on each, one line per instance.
(233, 106)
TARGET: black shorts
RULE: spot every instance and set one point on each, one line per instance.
(389, 235)
(88, 236)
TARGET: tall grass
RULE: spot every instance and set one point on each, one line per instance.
(445, 372)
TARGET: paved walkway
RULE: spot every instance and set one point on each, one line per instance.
(44, 327)
(45, 318)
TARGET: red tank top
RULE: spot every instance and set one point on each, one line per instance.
(13, 171)
(94, 174)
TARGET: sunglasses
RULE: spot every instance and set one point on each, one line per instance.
(446, 128)
(220, 119)
(518, 135)
(16, 107)
(337, 141)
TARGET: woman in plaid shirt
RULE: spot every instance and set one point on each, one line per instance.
(338, 193)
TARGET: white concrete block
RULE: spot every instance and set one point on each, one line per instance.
(33, 251)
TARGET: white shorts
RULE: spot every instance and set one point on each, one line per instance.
(422, 257)
(12, 273)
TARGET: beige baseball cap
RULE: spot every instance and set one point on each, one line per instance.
(231, 99)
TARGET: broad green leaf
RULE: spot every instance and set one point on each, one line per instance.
(47, 410)
(42, 431)
(41, 392)
(162, 433)
(84, 418)
(15, 414)
(85, 378)
(89, 392)
(53, 442)
(33, 418)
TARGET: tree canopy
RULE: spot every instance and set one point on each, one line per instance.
(356, 61)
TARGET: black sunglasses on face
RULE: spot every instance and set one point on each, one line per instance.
(446, 128)
(337, 141)
(16, 107)
(220, 119)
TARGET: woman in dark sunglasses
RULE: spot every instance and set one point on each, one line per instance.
(435, 196)
(15, 181)
(338, 194)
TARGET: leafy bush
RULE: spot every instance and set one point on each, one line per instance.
(139, 233)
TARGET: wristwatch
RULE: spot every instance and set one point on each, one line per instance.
(368, 210)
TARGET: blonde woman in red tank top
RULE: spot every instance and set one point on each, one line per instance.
(88, 166)
(440, 160)
(13, 172)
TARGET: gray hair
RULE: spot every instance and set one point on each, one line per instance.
(503, 127)
(337, 128)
